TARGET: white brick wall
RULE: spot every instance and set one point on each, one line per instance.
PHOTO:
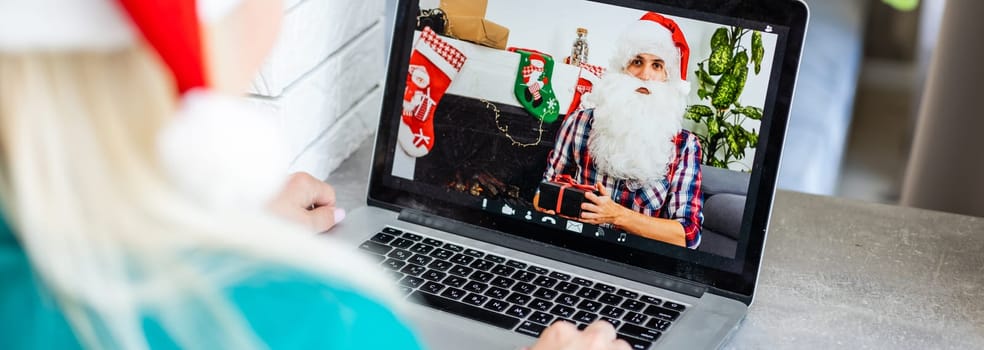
(323, 79)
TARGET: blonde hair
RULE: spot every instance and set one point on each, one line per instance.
(106, 232)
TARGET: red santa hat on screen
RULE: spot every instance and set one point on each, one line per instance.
(657, 35)
(536, 60)
(216, 149)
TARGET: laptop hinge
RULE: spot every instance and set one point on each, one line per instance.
(548, 251)
(745, 299)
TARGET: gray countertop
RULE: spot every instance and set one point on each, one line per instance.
(842, 274)
(846, 274)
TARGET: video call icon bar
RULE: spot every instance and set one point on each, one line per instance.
(552, 221)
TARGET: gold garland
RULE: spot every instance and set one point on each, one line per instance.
(505, 129)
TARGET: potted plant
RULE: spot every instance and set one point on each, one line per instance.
(721, 79)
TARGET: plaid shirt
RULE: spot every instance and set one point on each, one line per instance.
(677, 197)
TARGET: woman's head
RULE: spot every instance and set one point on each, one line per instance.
(81, 180)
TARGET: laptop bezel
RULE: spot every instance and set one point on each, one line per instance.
(791, 14)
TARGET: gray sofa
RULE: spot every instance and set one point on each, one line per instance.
(724, 205)
(820, 117)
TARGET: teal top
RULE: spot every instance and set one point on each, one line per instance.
(286, 310)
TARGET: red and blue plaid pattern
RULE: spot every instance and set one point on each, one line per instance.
(677, 197)
(445, 50)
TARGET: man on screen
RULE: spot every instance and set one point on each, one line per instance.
(630, 143)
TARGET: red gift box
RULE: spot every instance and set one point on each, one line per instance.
(563, 196)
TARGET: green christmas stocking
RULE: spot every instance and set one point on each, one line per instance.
(533, 88)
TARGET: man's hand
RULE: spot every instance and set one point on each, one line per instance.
(600, 335)
(536, 200)
(307, 201)
(601, 209)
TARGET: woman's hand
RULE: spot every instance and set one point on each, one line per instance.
(601, 209)
(308, 201)
(600, 335)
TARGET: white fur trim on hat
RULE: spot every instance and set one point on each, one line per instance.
(223, 152)
(50, 25)
(648, 37)
(31, 25)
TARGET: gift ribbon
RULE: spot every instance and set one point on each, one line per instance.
(565, 182)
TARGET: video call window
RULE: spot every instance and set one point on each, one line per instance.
(587, 117)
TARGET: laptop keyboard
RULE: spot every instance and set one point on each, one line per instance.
(512, 294)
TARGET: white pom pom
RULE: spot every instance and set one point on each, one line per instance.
(684, 87)
(224, 153)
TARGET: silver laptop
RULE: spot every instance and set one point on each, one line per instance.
(483, 201)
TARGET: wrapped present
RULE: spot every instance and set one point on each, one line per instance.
(468, 8)
(563, 196)
(477, 30)
(466, 21)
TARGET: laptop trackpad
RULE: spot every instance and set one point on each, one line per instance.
(441, 330)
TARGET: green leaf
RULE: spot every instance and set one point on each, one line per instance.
(753, 113)
(725, 92)
(720, 38)
(758, 51)
(704, 82)
(737, 147)
(698, 112)
(731, 84)
(701, 110)
(705, 79)
(719, 61)
(739, 61)
(751, 139)
(740, 72)
(734, 147)
(713, 127)
(691, 116)
(720, 52)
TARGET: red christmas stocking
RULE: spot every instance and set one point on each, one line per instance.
(433, 64)
(588, 74)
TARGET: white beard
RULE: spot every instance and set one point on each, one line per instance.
(632, 135)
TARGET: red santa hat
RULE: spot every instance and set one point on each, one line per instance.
(172, 28)
(536, 60)
(657, 35)
(216, 149)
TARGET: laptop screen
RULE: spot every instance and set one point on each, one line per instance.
(639, 132)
